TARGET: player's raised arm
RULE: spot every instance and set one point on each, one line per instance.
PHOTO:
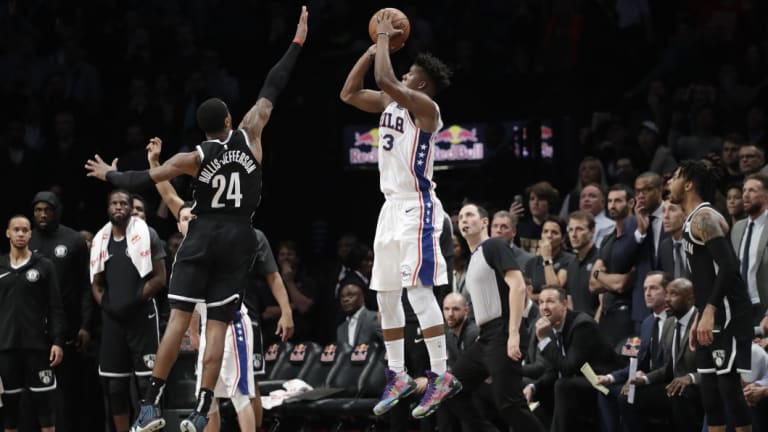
(354, 92)
(166, 190)
(181, 163)
(257, 117)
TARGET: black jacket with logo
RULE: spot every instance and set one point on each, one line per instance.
(31, 315)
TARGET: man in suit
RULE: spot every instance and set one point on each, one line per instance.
(671, 254)
(649, 233)
(671, 390)
(567, 340)
(749, 239)
(650, 355)
(360, 325)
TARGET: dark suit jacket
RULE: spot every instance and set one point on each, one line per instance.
(366, 331)
(685, 362)
(644, 354)
(583, 343)
(666, 259)
(646, 260)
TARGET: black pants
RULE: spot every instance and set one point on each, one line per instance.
(616, 324)
(684, 412)
(488, 357)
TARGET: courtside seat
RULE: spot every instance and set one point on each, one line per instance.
(299, 358)
(179, 397)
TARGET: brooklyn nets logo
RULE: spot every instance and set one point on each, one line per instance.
(149, 360)
(46, 376)
(60, 251)
(33, 275)
(719, 357)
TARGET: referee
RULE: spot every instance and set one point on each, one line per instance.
(32, 327)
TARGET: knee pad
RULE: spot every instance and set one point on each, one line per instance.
(118, 394)
(11, 410)
(240, 401)
(425, 306)
(711, 400)
(391, 308)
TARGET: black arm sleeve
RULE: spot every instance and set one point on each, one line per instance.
(728, 269)
(131, 180)
(277, 78)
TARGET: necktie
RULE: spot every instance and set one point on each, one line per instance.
(745, 256)
(676, 346)
(654, 342)
(559, 341)
(678, 260)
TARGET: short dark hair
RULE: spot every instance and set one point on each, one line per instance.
(666, 277)
(703, 178)
(585, 216)
(759, 176)
(211, 115)
(185, 204)
(480, 209)
(437, 71)
(114, 192)
(622, 187)
(18, 216)
(544, 190)
(556, 220)
(562, 295)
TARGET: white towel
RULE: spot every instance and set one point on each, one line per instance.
(139, 247)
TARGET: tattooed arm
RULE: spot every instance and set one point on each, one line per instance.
(711, 228)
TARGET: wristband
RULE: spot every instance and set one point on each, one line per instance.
(596, 273)
(298, 42)
(548, 262)
(382, 33)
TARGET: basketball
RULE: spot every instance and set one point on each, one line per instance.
(399, 21)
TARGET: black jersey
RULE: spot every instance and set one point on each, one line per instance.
(733, 304)
(228, 185)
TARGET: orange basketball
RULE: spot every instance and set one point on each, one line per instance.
(399, 21)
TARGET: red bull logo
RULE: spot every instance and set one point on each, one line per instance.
(546, 132)
(631, 347)
(370, 138)
(360, 353)
(299, 353)
(456, 134)
(329, 354)
(135, 238)
(272, 351)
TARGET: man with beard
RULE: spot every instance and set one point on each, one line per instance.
(30, 316)
(613, 272)
(68, 251)
(127, 270)
(749, 239)
(722, 333)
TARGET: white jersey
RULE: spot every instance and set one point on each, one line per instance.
(406, 153)
(236, 366)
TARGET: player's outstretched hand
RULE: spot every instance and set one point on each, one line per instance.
(98, 168)
(301, 27)
(154, 148)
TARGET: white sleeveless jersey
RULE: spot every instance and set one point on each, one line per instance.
(406, 153)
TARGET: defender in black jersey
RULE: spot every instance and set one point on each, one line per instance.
(722, 333)
(212, 262)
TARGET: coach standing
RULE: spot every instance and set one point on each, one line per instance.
(30, 317)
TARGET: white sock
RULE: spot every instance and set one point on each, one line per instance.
(396, 354)
(437, 353)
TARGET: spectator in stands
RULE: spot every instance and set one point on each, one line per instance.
(590, 171)
(542, 197)
(504, 225)
(751, 159)
(613, 273)
(730, 160)
(581, 230)
(550, 264)
(672, 257)
(593, 201)
(734, 203)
